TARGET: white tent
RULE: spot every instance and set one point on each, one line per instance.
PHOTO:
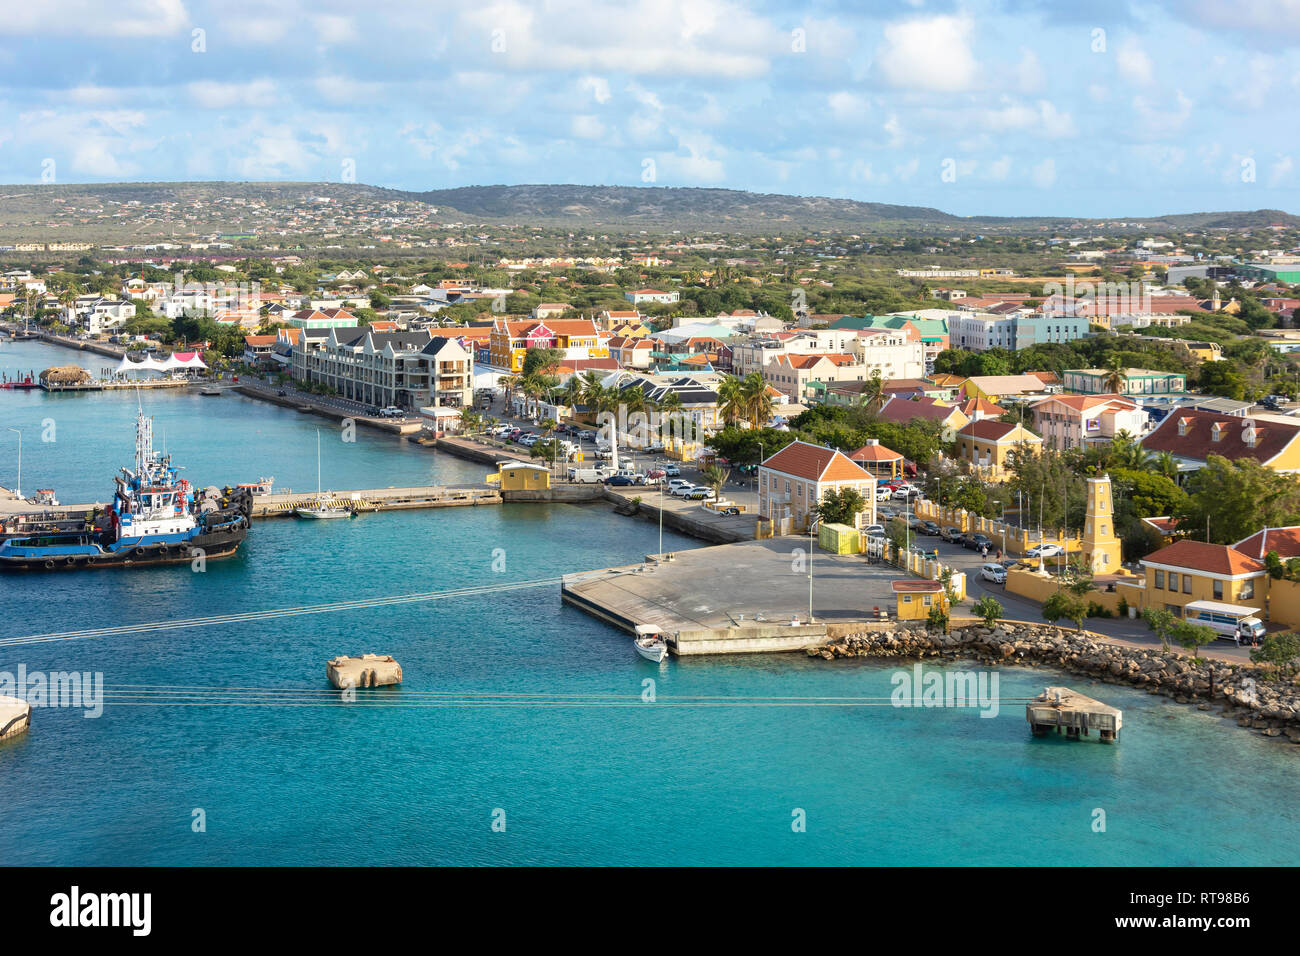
(149, 364)
(186, 360)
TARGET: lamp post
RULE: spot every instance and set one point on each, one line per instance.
(812, 525)
(19, 489)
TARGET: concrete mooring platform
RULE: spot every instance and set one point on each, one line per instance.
(1060, 708)
(368, 670)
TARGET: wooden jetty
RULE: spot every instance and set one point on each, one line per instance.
(282, 505)
(1060, 708)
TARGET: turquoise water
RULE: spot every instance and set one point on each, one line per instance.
(641, 783)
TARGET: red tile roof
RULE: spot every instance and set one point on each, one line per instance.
(909, 409)
(1203, 557)
(1285, 541)
(875, 453)
(917, 586)
(1271, 437)
(990, 429)
(815, 463)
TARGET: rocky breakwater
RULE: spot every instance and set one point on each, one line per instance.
(1254, 697)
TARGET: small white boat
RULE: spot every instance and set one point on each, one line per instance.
(322, 511)
(649, 644)
(260, 487)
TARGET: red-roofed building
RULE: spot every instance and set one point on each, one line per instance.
(988, 444)
(1285, 541)
(1192, 436)
(793, 482)
(903, 410)
(1188, 570)
(1072, 421)
(877, 460)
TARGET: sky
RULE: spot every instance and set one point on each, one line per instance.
(1003, 107)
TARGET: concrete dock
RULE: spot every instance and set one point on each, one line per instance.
(737, 598)
(282, 505)
(1059, 708)
(15, 716)
(368, 670)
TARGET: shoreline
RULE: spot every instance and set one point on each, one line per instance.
(1243, 692)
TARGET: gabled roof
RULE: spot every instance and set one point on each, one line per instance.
(899, 409)
(1285, 541)
(800, 459)
(981, 406)
(989, 429)
(1008, 384)
(1083, 403)
(1198, 440)
(1206, 558)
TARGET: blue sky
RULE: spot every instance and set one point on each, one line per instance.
(1015, 107)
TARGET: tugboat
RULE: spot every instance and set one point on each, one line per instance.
(156, 517)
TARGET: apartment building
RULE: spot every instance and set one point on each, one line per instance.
(511, 339)
(406, 369)
(1073, 421)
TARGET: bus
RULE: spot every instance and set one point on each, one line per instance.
(1231, 620)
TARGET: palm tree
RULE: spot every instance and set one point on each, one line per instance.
(715, 476)
(1165, 464)
(873, 395)
(731, 399)
(757, 400)
(671, 412)
(1116, 378)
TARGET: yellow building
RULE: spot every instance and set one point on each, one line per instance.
(520, 476)
(915, 598)
(1101, 548)
(987, 444)
(1189, 571)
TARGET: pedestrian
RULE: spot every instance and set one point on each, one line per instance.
(1236, 635)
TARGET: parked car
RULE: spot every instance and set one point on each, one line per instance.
(586, 435)
(682, 491)
(976, 542)
(701, 494)
(883, 493)
(620, 480)
(1045, 551)
(672, 471)
(675, 483)
(874, 530)
(928, 527)
(392, 411)
(995, 573)
(951, 535)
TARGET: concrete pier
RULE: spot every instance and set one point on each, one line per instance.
(1059, 708)
(368, 670)
(375, 499)
(15, 716)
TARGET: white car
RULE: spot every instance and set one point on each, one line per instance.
(995, 573)
(682, 491)
(392, 411)
(883, 493)
(1045, 551)
(874, 531)
(675, 483)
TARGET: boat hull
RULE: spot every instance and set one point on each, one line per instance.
(656, 652)
(211, 546)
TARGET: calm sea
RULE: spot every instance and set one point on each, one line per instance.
(611, 780)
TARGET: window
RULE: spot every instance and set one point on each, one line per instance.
(1160, 579)
(1187, 584)
(1173, 581)
(925, 599)
(1218, 590)
(1247, 590)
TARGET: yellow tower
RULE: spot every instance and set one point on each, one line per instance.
(1101, 548)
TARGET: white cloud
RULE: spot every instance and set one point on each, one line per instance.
(1043, 117)
(598, 86)
(1030, 76)
(332, 29)
(124, 18)
(587, 127)
(847, 107)
(1156, 122)
(931, 54)
(1133, 63)
(1280, 171)
(1000, 168)
(250, 94)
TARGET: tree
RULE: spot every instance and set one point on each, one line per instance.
(1222, 378)
(1237, 498)
(1192, 636)
(841, 506)
(1063, 604)
(1116, 377)
(988, 608)
(1280, 651)
(873, 395)
(715, 477)
(756, 400)
(1162, 622)
(731, 400)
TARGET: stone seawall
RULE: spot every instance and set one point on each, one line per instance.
(1241, 691)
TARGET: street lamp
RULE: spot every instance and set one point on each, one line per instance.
(19, 490)
(812, 526)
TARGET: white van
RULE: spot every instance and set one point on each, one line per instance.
(1231, 620)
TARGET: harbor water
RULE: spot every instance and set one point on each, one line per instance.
(730, 761)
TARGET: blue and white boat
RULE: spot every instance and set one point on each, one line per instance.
(156, 517)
